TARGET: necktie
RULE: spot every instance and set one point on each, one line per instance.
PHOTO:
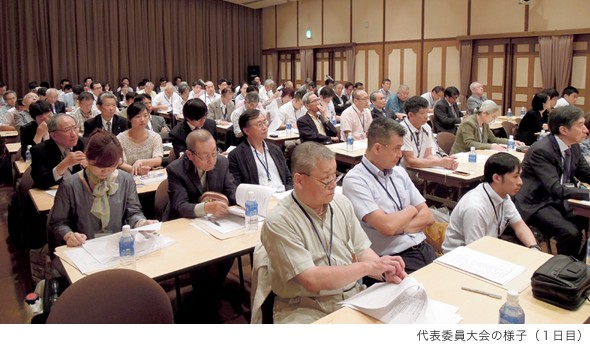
(108, 127)
(567, 164)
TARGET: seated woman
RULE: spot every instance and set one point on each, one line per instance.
(142, 148)
(533, 120)
(241, 95)
(475, 131)
(255, 161)
(98, 199)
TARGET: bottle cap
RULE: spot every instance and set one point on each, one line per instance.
(32, 298)
(472, 148)
(511, 137)
(126, 229)
(512, 296)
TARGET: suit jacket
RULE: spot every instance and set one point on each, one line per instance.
(27, 134)
(340, 101)
(389, 113)
(529, 125)
(179, 133)
(118, 125)
(214, 110)
(242, 165)
(542, 170)
(60, 107)
(158, 122)
(184, 186)
(46, 156)
(469, 136)
(444, 120)
(309, 132)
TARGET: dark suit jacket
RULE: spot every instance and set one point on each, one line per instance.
(118, 125)
(376, 114)
(542, 169)
(46, 156)
(337, 101)
(158, 122)
(179, 133)
(60, 107)
(444, 120)
(27, 134)
(242, 165)
(529, 125)
(184, 186)
(309, 132)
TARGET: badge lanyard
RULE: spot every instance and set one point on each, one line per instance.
(399, 207)
(265, 163)
(417, 141)
(328, 255)
(362, 121)
(498, 219)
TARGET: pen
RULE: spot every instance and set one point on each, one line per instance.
(213, 221)
(482, 292)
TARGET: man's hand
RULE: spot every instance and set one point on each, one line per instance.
(497, 147)
(74, 239)
(42, 129)
(449, 162)
(335, 139)
(164, 129)
(390, 266)
(519, 143)
(75, 158)
(216, 208)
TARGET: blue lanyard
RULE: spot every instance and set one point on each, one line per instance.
(362, 121)
(417, 142)
(328, 255)
(265, 163)
(399, 207)
(498, 219)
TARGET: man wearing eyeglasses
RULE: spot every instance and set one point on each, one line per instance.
(316, 125)
(197, 174)
(316, 248)
(195, 117)
(61, 155)
(356, 119)
(390, 208)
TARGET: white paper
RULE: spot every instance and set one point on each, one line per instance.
(439, 169)
(153, 227)
(464, 157)
(200, 228)
(263, 195)
(227, 224)
(357, 145)
(167, 144)
(52, 193)
(152, 177)
(274, 125)
(85, 262)
(483, 265)
(281, 195)
(241, 212)
(229, 149)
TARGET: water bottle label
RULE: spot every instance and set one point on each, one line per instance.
(472, 158)
(251, 208)
(350, 141)
(506, 319)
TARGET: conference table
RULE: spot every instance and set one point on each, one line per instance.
(10, 136)
(44, 202)
(282, 138)
(443, 283)
(459, 181)
(346, 157)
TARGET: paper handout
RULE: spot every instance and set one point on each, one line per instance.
(263, 195)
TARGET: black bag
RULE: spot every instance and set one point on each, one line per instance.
(563, 281)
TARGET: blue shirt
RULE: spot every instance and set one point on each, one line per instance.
(395, 104)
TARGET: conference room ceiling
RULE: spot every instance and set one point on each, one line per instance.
(258, 4)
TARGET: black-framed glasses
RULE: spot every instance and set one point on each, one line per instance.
(207, 157)
(329, 183)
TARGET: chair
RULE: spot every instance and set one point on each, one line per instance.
(161, 199)
(510, 128)
(431, 120)
(113, 297)
(26, 183)
(445, 141)
(261, 295)
(171, 156)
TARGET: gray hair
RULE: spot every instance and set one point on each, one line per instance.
(356, 94)
(381, 130)
(198, 135)
(306, 156)
(182, 88)
(306, 97)
(374, 95)
(52, 123)
(51, 91)
(104, 96)
(252, 96)
(268, 82)
(487, 106)
(403, 87)
(473, 85)
(149, 83)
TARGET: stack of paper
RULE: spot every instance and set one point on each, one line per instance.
(152, 177)
(356, 146)
(404, 303)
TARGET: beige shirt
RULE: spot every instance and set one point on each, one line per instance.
(318, 124)
(356, 122)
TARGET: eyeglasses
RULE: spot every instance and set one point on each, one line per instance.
(207, 157)
(335, 179)
(261, 124)
(74, 129)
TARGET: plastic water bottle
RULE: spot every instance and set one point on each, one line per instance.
(251, 213)
(522, 112)
(588, 252)
(289, 129)
(509, 115)
(472, 160)
(28, 156)
(542, 135)
(127, 249)
(510, 146)
(511, 312)
(349, 143)
(334, 121)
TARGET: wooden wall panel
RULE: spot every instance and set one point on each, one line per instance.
(403, 20)
(440, 64)
(523, 82)
(402, 65)
(580, 71)
(369, 66)
(310, 18)
(489, 68)
(269, 33)
(336, 22)
(445, 18)
(287, 25)
(367, 21)
(495, 17)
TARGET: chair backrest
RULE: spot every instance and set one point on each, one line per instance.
(113, 297)
(445, 141)
(161, 199)
(510, 128)
(26, 183)
(431, 119)
(171, 156)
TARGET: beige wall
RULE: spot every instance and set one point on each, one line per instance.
(268, 28)
(445, 18)
(287, 25)
(403, 20)
(495, 17)
(310, 18)
(559, 15)
(367, 21)
(336, 22)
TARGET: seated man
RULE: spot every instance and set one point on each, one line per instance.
(209, 95)
(433, 97)
(86, 110)
(550, 173)
(129, 99)
(396, 102)
(8, 119)
(309, 280)
(476, 98)
(21, 118)
(221, 109)
(164, 101)
(195, 117)
(487, 209)
(255, 161)
(326, 96)
(10, 100)
(568, 97)
(447, 113)
(390, 208)
(60, 156)
(56, 106)
(418, 145)
(379, 110)
(36, 131)
(107, 119)
(251, 101)
(314, 127)
(385, 89)
(356, 119)
(291, 111)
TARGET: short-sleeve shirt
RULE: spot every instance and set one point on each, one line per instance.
(474, 217)
(293, 246)
(150, 148)
(361, 186)
(356, 122)
(417, 143)
(289, 115)
(162, 100)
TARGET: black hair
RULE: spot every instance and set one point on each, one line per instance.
(569, 90)
(194, 109)
(501, 164)
(39, 108)
(451, 91)
(414, 104)
(539, 100)
(564, 116)
(249, 114)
